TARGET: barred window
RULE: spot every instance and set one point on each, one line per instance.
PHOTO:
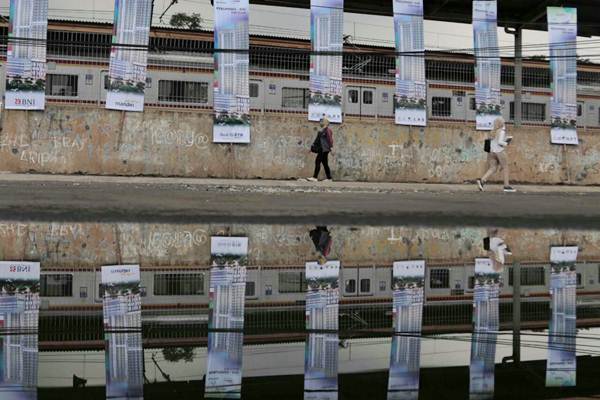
(441, 106)
(250, 289)
(183, 91)
(62, 85)
(254, 90)
(292, 282)
(56, 285)
(439, 278)
(530, 276)
(294, 97)
(178, 284)
(365, 285)
(353, 96)
(367, 97)
(350, 286)
(529, 111)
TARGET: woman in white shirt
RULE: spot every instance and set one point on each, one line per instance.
(497, 155)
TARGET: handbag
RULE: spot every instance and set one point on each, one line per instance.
(316, 146)
(487, 145)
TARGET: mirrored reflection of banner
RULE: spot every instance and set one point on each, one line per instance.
(562, 28)
(19, 309)
(407, 311)
(26, 55)
(486, 293)
(326, 35)
(410, 99)
(122, 308)
(129, 55)
(562, 361)
(227, 291)
(487, 71)
(231, 83)
(321, 351)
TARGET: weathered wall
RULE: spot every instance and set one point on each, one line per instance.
(91, 140)
(90, 245)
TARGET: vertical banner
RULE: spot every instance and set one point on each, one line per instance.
(227, 291)
(19, 309)
(562, 362)
(26, 55)
(487, 71)
(486, 292)
(231, 83)
(122, 309)
(322, 310)
(326, 36)
(129, 55)
(562, 28)
(410, 98)
(407, 311)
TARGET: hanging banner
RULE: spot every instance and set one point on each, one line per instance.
(26, 55)
(227, 291)
(231, 83)
(129, 55)
(321, 351)
(562, 362)
(407, 312)
(326, 35)
(19, 309)
(410, 98)
(122, 309)
(562, 28)
(486, 292)
(487, 71)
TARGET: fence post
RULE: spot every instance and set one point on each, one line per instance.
(516, 275)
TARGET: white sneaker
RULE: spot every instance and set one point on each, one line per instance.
(311, 179)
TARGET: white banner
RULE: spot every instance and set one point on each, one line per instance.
(120, 273)
(236, 246)
(19, 270)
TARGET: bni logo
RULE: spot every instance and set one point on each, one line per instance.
(24, 102)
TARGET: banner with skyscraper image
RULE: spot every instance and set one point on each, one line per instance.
(129, 55)
(321, 351)
(562, 28)
(410, 99)
(407, 312)
(486, 293)
(326, 35)
(487, 70)
(227, 290)
(19, 310)
(26, 55)
(231, 83)
(122, 309)
(561, 366)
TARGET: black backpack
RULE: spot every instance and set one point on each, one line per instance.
(316, 146)
(487, 145)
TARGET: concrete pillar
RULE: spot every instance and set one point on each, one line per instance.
(516, 275)
(518, 32)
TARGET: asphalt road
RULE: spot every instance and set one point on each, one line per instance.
(122, 201)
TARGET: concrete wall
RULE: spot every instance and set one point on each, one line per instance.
(91, 140)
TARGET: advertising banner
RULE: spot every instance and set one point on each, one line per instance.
(486, 292)
(129, 55)
(227, 290)
(326, 35)
(410, 98)
(19, 310)
(26, 55)
(562, 363)
(562, 28)
(407, 312)
(321, 351)
(231, 83)
(122, 309)
(487, 71)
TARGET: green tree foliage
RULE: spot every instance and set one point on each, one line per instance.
(183, 20)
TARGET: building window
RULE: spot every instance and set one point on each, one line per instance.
(183, 91)
(253, 90)
(473, 104)
(439, 279)
(61, 85)
(350, 286)
(471, 282)
(56, 285)
(292, 282)
(250, 289)
(441, 106)
(365, 285)
(579, 109)
(382, 286)
(268, 290)
(353, 96)
(368, 97)
(294, 97)
(578, 279)
(178, 284)
(530, 111)
(530, 276)
(83, 292)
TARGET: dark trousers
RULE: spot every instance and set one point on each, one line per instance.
(322, 159)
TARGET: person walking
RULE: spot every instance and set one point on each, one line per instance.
(497, 158)
(322, 146)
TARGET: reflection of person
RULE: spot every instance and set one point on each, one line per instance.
(497, 249)
(323, 145)
(322, 240)
(497, 158)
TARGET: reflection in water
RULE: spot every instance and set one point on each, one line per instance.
(19, 308)
(123, 332)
